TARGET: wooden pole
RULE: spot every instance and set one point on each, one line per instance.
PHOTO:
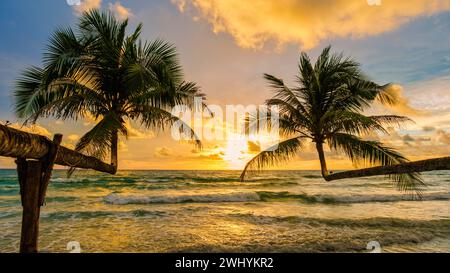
(34, 176)
(36, 156)
(30, 186)
(48, 164)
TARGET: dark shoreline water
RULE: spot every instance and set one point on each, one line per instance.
(211, 211)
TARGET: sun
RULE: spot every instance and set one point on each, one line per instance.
(236, 153)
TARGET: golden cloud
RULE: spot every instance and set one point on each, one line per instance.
(305, 22)
(73, 137)
(136, 133)
(120, 11)
(443, 137)
(87, 5)
(212, 156)
(32, 128)
(403, 106)
(163, 151)
(428, 128)
(253, 147)
(133, 132)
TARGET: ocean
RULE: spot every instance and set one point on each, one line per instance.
(211, 211)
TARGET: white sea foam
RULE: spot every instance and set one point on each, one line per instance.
(72, 179)
(116, 199)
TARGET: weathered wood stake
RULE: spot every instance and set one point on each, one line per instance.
(30, 186)
(34, 176)
(35, 156)
(48, 164)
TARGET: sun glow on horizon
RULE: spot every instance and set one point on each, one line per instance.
(236, 153)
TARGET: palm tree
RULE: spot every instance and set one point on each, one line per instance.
(100, 71)
(327, 108)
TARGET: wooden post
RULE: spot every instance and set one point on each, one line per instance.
(34, 176)
(30, 186)
(48, 167)
(36, 156)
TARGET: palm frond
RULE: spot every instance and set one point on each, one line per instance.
(287, 125)
(64, 52)
(281, 152)
(357, 94)
(28, 93)
(385, 96)
(409, 182)
(97, 141)
(350, 122)
(375, 153)
(61, 98)
(156, 118)
(290, 112)
(365, 151)
(391, 120)
(284, 93)
(156, 69)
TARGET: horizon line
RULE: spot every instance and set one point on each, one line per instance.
(290, 170)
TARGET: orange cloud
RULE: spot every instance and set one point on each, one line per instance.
(443, 137)
(403, 106)
(73, 137)
(136, 132)
(253, 147)
(305, 22)
(163, 151)
(120, 11)
(33, 128)
(87, 5)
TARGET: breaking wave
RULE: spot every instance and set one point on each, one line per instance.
(116, 199)
(273, 196)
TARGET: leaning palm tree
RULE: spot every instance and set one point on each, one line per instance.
(99, 71)
(327, 108)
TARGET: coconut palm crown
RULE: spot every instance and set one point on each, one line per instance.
(326, 107)
(99, 70)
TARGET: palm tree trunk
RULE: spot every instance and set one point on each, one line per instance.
(442, 163)
(114, 148)
(18, 144)
(323, 163)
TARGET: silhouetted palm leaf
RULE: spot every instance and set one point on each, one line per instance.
(281, 152)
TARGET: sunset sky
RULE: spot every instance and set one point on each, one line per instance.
(226, 46)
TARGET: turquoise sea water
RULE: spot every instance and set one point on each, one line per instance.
(210, 211)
